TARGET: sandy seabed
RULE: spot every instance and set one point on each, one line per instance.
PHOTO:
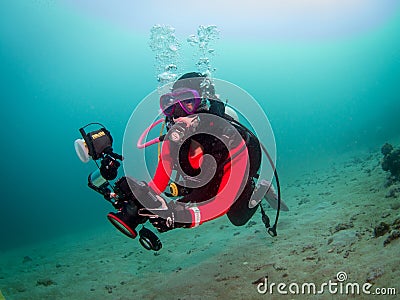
(328, 230)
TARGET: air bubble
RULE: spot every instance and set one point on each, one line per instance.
(166, 77)
(206, 36)
(165, 45)
(170, 67)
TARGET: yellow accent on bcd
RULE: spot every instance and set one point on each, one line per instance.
(174, 189)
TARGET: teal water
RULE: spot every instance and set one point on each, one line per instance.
(328, 87)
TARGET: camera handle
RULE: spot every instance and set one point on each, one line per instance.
(109, 151)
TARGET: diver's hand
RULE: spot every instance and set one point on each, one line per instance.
(163, 218)
(164, 223)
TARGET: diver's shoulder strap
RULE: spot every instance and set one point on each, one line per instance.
(217, 107)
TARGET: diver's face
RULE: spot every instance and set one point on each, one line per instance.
(180, 112)
(190, 106)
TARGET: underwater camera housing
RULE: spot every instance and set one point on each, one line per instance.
(127, 218)
(97, 145)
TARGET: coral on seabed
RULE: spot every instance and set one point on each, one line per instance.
(393, 229)
(393, 236)
(381, 229)
(391, 160)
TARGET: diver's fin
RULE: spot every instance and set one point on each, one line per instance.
(267, 191)
(272, 198)
(1, 296)
(259, 193)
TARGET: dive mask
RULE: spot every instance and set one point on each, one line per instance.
(188, 99)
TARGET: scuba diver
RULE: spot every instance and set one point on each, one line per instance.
(227, 186)
(214, 159)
